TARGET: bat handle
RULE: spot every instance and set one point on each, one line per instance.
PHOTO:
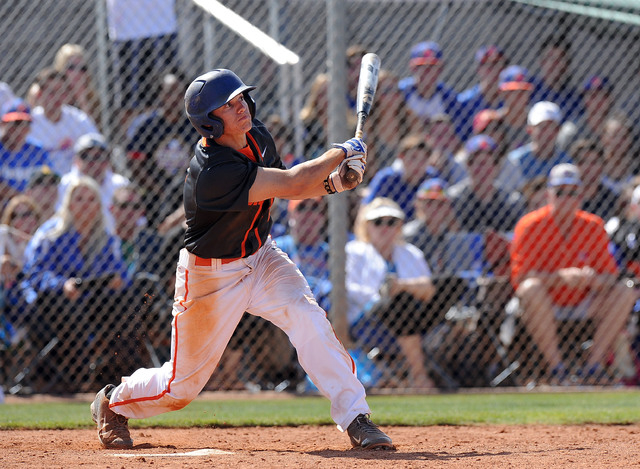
(352, 176)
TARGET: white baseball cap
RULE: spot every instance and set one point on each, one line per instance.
(544, 111)
(384, 210)
(564, 174)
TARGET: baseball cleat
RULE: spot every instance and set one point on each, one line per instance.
(365, 434)
(113, 429)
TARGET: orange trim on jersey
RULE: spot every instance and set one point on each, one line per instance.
(257, 155)
(175, 354)
(243, 246)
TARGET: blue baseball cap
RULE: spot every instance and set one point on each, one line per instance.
(480, 143)
(432, 189)
(514, 78)
(16, 111)
(426, 53)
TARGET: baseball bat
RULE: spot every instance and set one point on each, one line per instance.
(367, 84)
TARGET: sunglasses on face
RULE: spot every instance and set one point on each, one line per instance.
(79, 67)
(22, 215)
(386, 221)
(567, 193)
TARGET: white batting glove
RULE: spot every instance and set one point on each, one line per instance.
(337, 178)
(352, 147)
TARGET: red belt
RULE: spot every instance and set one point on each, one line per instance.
(201, 261)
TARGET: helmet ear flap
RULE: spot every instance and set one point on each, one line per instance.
(217, 127)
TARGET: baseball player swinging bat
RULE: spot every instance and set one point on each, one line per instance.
(367, 84)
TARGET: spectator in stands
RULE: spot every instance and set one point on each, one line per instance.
(479, 203)
(18, 223)
(307, 246)
(57, 125)
(491, 122)
(72, 267)
(71, 59)
(598, 104)
(442, 136)
(537, 157)
(564, 275)
(554, 81)
(19, 159)
(388, 284)
(435, 218)
(425, 95)
(534, 193)
(622, 157)
(597, 198)
(140, 245)
(515, 89)
(43, 188)
(92, 158)
(158, 153)
(624, 230)
(485, 94)
(401, 180)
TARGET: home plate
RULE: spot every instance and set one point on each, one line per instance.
(190, 454)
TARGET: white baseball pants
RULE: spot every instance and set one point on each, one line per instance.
(209, 302)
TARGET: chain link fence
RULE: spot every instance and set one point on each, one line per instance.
(471, 302)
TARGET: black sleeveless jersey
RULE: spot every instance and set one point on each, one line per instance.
(220, 221)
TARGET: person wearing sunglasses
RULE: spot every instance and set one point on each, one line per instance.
(388, 283)
(566, 279)
(92, 158)
(71, 59)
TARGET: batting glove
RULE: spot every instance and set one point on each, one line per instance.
(353, 146)
(338, 178)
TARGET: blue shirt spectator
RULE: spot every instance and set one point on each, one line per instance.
(400, 181)
(485, 94)
(538, 156)
(425, 95)
(19, 158)
(307, 247)
(63, 248)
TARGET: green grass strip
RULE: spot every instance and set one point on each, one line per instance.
(617, 407)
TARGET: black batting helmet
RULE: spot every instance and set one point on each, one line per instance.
(210, 91)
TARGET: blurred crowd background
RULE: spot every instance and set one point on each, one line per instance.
(489, 116)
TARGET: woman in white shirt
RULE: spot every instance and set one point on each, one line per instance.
(388, 285)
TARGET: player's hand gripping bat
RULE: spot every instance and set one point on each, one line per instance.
(367, 84)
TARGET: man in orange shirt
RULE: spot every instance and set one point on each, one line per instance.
(562, 271)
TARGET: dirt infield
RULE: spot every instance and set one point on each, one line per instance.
(585, 446)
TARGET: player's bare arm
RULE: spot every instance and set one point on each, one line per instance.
(300, 182)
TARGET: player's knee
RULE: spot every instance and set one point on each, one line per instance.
(177, 403)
